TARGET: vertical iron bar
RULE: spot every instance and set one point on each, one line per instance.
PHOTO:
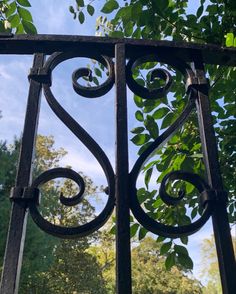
(224, 246)
(123, 258)
(18, 221)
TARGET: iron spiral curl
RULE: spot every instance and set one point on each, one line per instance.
(169, 231)
(87, 140)
(97, 91)
(160, 73)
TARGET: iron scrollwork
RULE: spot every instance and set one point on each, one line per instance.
(154, 226)
(85, 138)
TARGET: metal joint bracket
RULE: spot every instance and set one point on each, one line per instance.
(40, 75)
(218, 196)
(196, 83)
(25, 194)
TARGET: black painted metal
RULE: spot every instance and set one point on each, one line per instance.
(123, 264)
(122, 192)
(17, 226)
(226, 259)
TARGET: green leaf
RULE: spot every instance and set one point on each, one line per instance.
(200, 11)
(142, 195)
(212, 9)
(161, 6)
(160, 113)
(129, 29)
(95, 80)
(137, 33)
(24, 3)
(189, 188)
(117, 34)
(14, 20)
(147, 177)
(71, 9)
(113, 230)
(229, 42)
(137, 130)
(167, 120)
(81, 17)
(98, 72)
(165, 247)
(140, 81)
(142, 233)
(185, 261)
(11, 9)
(184, 240)
(80, 3)
(136, 10)
(138, 101)
(150, 164)
(25, 14)
(110, 6)
(151, 126)
(181, 250)
(194, 212)
(158, 203)
(90, 10)
(160, 239)
(140, 139)
(170, 261)
(139, 115)
(20, 29)
(29, 27)
(144, 147)
(133, 230)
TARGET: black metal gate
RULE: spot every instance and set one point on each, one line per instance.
(119, 56)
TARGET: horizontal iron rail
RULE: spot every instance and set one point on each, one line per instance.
(30, 44)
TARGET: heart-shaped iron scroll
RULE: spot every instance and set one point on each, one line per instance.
(140, 214)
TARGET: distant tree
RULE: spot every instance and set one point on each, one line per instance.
(210, 268)
(73, 269)
(8, 159)
(149, 274)
(51, 265)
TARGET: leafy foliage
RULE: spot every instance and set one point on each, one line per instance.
(177, 21)
(16, 18)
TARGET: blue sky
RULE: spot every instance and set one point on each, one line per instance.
(95, 115)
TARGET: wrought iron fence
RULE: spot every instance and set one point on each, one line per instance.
(120, 57)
